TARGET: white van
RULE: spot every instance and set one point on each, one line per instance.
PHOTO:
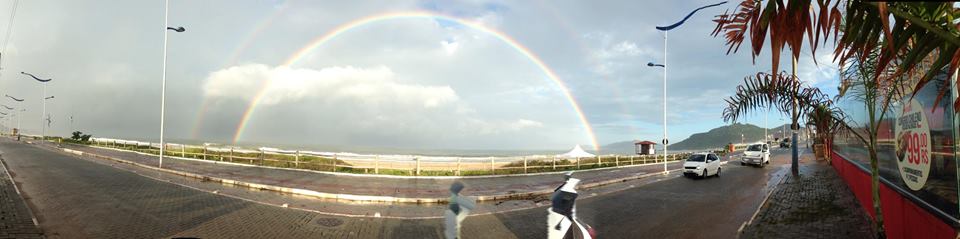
(758, 154)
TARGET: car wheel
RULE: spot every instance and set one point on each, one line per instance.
(718, 171)
(743, 164)
(704, 174)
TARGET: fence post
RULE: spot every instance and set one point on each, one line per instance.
(599, 163)
(524, 164)
(492, 171)
(204, 152)
(183, 151)
(616, 160)
(578, 162)
(231, 154)
(296, 159)
(263, 156)
(418, 165)
(376, 164)
(458, 165)
(334, 162)
(554, 163)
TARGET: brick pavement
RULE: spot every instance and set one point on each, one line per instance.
(816, 204)
(16, 220)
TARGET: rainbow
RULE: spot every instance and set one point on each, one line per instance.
(341, 29)
(241, 47)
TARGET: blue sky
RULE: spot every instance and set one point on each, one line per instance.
(408, 83)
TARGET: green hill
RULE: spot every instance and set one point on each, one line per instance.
(719, 137)
(715, 138)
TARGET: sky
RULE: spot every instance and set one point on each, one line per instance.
(420, 82)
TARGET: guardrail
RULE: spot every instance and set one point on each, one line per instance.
(405, 165)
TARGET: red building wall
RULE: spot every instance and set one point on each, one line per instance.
(902, 218)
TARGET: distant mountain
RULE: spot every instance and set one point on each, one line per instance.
(622, 147)
(720, 137)
(713, 139)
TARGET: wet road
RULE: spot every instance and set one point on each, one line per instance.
(79, 198)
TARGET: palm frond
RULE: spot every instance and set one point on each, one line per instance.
(761, 91)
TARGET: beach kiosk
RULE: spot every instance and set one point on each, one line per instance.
(644, 147)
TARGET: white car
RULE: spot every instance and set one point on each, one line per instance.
(702, 165)
(758, 154)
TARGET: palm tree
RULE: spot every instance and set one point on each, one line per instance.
(822, 118)
(917, 30)
(858, 84)
(760, 91)
(920, 41)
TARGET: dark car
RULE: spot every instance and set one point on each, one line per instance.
(785, 143)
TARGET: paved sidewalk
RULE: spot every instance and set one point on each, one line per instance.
(409, 187)
(816, 204)
(16, 220)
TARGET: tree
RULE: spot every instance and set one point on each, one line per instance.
(760, 92)
(917, 30)
(858, 83)
(79, 136)
(920, 41)
(821, 117)
(788, 22)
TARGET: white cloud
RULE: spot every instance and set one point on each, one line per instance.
(450, 46)
(610, 55)
(825, 71)
(525, 123)
(364, 86)
(373, 102)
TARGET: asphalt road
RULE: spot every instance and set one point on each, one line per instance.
(80, 198)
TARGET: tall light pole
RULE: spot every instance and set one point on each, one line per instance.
(665, 141)
(19, 103)
(666, 29)
(43, 131)
(163, 78)
(47, 119)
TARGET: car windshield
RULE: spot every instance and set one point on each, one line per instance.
(755, 147)
(696, 158)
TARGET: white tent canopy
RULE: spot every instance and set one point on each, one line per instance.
(576, 152)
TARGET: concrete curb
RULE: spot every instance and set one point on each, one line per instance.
(762, 204)
(349, 197)
(19, 194)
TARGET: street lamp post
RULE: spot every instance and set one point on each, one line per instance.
(163, 78)
(47, 119)
(19, 103)
(666, 29)
(665, 141)
(43, 130)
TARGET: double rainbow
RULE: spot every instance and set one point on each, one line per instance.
(340, 30)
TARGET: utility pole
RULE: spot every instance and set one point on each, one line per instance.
(795, 154)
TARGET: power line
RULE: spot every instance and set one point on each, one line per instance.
(6, 40)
